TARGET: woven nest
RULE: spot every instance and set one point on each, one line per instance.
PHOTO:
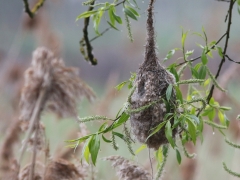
(151, 83)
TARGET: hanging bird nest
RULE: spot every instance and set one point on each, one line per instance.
(151, 83)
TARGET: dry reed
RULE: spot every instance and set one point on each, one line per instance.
(126, 170)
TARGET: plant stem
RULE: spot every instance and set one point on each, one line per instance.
(33, 120)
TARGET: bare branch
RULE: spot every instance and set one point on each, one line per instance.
(32, 12)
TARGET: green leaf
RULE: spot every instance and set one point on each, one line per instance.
(207, 82)
(169, 92)
(221, 117)
(132, 10)
(94, 147)
(194, 73)
(105, 139)
(116, 17)
(111, 16)
(192, 130)
(124, 117)
(178, 94)
(85, 150)
(120, 86)
(211, 114)
(165, 150)
(112, 26)
(238, 2)
(220, 52)
(119, 135)
(225, 108)
(168, 134)
(156, 129)
(179, 158)
(202, 72)
(96, 20)
(204, 58)
(103, 127)
(193, 117)
(174, 72)
(86, 14)
(169, 55)
(184, 35)
(129, 13)
(144, 146)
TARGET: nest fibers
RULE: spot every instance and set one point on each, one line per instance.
(151, 84)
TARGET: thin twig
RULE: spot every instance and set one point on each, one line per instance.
(107, 29)
(32, 12)
(225, 47)
(86, 39)
(231, 59)
(192, 60)
(36, 113)
(32, 168)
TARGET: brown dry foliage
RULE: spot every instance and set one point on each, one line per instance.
(126, 170)
(62, 169)
(63, 86)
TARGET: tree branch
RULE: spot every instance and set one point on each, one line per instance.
(192, 60)
(89, 48)
(32, 12)
(225, 47)
(231, 59)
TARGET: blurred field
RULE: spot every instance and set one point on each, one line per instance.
(117, 56)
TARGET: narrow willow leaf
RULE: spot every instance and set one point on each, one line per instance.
(121, 85)
(169, 55)
(168, 134)
(178, 155)
(169, 92)
(112, 26)
(194, 73)
(115, 16)
(178, 94)
(103, 127)
(105, 139)
(206, 82)
(86, 14)
(124, 117)
(85, 150)
(156, 129)
(192, 130)
(202, 72)
(111, 16)
(221, 118)
(129, 13)
(174, 72)
(194, 118)
(184, 35)
(119, 135)
(96, 20)
(94, 146)
(132, 10)
(144, 146)
(220, 52)
(204, 58)
(225, 108)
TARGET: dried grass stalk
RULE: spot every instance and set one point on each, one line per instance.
(38, 173)
(126, 170)
(151, 84)
(49, 84)
(8, 164)
(62, 169)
